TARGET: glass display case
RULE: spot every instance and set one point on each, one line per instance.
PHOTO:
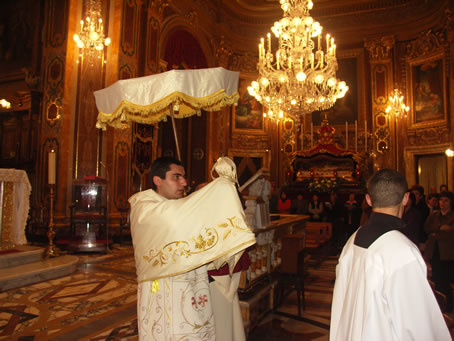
(89, 229)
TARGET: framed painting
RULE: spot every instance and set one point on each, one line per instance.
(428, 89)
(248, 162)
(247, 115)
(352, 106)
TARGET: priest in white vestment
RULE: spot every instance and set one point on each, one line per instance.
(381, 290)
(176, 241)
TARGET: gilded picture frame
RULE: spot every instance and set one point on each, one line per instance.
(352, 106)
(427, 81)
(247, 115)
(248, 162)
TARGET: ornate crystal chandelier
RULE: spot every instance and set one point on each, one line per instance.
(397, 108)
(301, 76)
(91, 36)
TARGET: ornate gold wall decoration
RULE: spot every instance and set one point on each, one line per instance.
(244, 62)
(428, 136)
(426, 44)
(240, 141)
(380, 49)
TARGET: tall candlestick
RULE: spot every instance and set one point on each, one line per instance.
(356, 136)
(51, 166)
(365, 136)
(346, 134)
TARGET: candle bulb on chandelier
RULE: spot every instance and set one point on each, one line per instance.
(269, 42)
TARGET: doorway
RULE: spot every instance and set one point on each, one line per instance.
(432, 171)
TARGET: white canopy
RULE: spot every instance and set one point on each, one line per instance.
(148, 99)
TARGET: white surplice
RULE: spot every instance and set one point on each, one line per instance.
(381, 295)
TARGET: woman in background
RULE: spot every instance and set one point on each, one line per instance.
(315, 208)
(284, 204)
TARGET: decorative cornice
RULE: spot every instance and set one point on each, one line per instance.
(379, 49)
(244, 62)
(428, 136)
(426, 44)
(260, 142)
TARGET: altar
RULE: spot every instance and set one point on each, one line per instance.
(15, 192)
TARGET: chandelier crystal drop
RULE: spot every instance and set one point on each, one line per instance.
(301, 76)
(91, 36)
(397, 107)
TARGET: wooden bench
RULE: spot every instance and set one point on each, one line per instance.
(318, 233)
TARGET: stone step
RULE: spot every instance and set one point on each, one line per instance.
(42, 270)
(20, 255)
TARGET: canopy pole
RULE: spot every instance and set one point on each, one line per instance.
(174, 131)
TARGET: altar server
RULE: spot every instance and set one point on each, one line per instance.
(381, 290)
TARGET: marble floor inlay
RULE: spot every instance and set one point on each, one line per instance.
(98, 302)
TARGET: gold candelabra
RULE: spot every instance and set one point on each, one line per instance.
(51, 250)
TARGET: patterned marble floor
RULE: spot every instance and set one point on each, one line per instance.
(98, 302)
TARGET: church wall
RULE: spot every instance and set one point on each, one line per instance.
(390, 51)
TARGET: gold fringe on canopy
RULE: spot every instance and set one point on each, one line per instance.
(150, 99)
(156, 112)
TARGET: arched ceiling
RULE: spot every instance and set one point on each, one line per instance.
(350, 21)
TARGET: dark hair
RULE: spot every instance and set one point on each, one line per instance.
(445, 186)
(418, 188)
(412, 197)
(386, 188)
(161, 166)
(433, 195)
(448, 195)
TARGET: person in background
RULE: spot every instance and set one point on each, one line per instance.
(274, 198)
(299, 205)
(284, 204)
(381, 291)
(432, 202)
(352, 214)
(316, 208)
(440, 246)
(414, 226)
(366, 211)
(444, 188)
(333, 214)
(421, 205)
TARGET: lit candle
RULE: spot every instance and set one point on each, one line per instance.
(365, 136)
(346, 134)
(260, 51)
(51, 166)
(312, 60)
(269, 42)
(356, 136)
